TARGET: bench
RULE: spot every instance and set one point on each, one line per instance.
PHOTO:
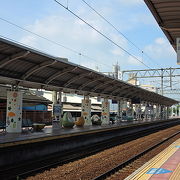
(2, 125)
(27, 123)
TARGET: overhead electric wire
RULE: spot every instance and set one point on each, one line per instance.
(143, 53)
(99, 32)
(107, 21)
(51, 41)
(9, 22)
(111, 24)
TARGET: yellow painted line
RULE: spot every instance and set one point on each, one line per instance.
(155, 162)
(160, 161)
(176, 174)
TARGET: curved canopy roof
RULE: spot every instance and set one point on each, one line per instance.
(167, 15)
(22, 66)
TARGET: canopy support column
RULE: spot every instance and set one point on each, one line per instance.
(146, 111)
(14, 112)
(161, 112)
(119, 113)
(105, 111)
(157, 112)
(57, 109)
(124, 106)
(138, 111)
(86, 110)
(152, 112)
(167, 113)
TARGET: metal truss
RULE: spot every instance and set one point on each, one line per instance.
(167, 75)
(151, 73)
(172, 91)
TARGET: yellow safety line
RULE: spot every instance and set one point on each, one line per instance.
(160, 161)
(176, 174)
(147, 165)
(156, 162)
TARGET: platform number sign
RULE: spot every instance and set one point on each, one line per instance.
(178, 50)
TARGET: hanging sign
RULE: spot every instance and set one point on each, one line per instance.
(57, 109)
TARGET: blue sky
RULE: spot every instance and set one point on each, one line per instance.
(131, 17)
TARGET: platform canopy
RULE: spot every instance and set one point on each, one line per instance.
(28, 97)
(26, 67)
(167, 15)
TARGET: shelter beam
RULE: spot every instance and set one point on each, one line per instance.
(37, 68)
(14, 57)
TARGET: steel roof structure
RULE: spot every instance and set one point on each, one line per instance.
(167, 15)
(26, 67)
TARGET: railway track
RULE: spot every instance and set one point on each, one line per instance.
(127, 165)
(33, 167)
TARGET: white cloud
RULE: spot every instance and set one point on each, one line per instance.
(132, 61)
(29, 40)
(160, 41)
(160, 49)
(143, 18)
(130, 2)
(88, 64)
(75, 34)
(117, 52)
(67, 29)
(121, 41)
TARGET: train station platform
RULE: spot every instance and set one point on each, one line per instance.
(50, 133)
(164, 166)
(28, 146)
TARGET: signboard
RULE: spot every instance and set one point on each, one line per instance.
(114, 101)
(57, 109)
(158, 171)
(178, 50)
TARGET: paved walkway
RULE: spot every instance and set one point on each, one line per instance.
(164, 166)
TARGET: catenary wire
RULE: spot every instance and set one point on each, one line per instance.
(143, 53)
(99, 32)
(107, 21)
(51, 41)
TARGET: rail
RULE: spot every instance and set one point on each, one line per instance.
(124, 164)
(30, 168)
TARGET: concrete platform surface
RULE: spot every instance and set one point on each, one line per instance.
(49, 131)
(52, 132)
(164, 166)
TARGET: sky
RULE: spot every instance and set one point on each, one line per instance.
(131, 17)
